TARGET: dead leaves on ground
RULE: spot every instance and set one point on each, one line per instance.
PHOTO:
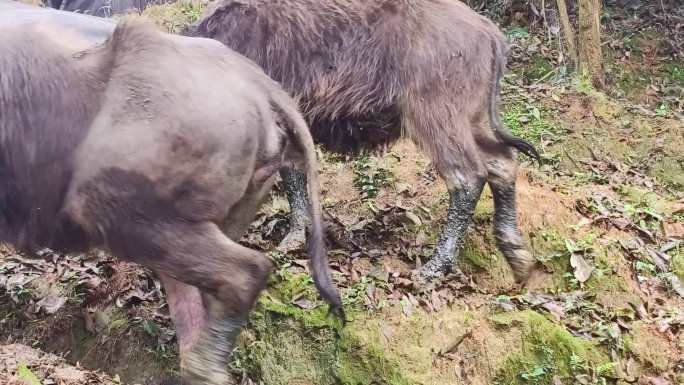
(92, 287)
(22, 365)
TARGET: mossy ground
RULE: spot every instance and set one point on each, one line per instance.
(549, 353)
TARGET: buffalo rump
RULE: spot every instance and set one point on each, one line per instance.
(158, 148)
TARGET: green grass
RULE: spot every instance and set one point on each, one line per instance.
(531, 122)
(549, 351)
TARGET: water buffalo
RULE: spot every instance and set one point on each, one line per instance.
(368, 72)
(102, 8)
(158, 148)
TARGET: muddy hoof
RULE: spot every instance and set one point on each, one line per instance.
(207, 378)
(294, 241)
(523, 269)
(424, 281)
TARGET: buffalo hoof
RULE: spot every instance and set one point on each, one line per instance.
(425, 280)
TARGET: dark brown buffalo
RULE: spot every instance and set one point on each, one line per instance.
(158, 148)
(367, 72)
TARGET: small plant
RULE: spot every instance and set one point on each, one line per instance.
(584, 373)
(542, 371)
(528, 122)
(663, 110)
(517, 33)
(368, 177)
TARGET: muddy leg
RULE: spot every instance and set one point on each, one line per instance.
(295, 188)
(461, 207)
(501, 178)
(228, 305)
(187, 311)
(229, 276)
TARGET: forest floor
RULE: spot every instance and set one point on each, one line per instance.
(603, 214)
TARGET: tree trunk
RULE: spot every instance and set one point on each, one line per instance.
(568, 32)
(589, 37)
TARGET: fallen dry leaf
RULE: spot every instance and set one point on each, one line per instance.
(411, 218)
(678, 207)
(406, 306)
(675, 284)
(555, 309)
(653, 381)
(582, 268)
(453, 345)
(673, 230)
(51, 304)
(304, 303)
(70, 375)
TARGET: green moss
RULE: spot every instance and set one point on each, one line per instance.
(474, 257)
(548, 351)
(279, 351)
(675, 72)
(538, 68)
(610, 288)
(549, 246)
(288, 288)
(285, 344)
(648, 348)
(484, 210)
(176, 16)
(678, 265)
(363, 362)
(632, 83)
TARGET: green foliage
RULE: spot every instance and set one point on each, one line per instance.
(174, 17)
(663, 110)
(678, 264)
(286, 344)
(24, 373)
(530, 122)
(517, 33)
(675, 72)
(549, 351)
(369, 177)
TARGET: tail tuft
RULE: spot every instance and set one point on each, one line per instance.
(500, 131)
(525, 147)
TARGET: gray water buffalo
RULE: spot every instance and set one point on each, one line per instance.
(102, 8)
(157, 148)
(368, 72)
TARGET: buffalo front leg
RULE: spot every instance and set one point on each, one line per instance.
(502, 180)
(295, 188)
(463, 200)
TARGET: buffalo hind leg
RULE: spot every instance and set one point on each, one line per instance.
(502, 172)
(295, 188)
(187, 312)
(229, 276)
(464, 193)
